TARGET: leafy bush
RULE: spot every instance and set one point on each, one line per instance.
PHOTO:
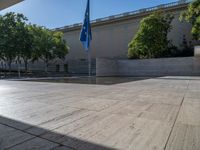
(151, 39)
(192, 15)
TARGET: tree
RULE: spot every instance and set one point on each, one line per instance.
(61, 48)
(11, 27)
(27, 45)
(29, 42)
(151, 39)
(48, 45)
(192, 15)
(1, 59)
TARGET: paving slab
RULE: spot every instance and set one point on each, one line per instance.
(10, 137)
(190, 112)
(35, 144)
(184, 137)
(153, 114)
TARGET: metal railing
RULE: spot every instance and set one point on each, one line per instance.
(140, 11)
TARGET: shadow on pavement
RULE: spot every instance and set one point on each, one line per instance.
(17, 135)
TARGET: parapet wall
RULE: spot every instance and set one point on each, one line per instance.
(183, 66)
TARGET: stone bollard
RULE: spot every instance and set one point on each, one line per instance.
(197, 51)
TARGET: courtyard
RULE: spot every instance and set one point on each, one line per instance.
(150, 114)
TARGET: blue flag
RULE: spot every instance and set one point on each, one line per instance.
(86, 34)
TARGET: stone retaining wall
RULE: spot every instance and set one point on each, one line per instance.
(183, 66)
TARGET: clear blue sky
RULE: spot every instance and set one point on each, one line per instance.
(58, 13)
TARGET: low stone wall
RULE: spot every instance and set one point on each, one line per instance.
(80, 67)
(182, 66)
(38, 66)
(73, 67)
(197, 51)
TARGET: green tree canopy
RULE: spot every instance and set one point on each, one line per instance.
(27, 45)
(49, 45)
(19, 40)
(151, 39)
(192, 15)
(11, 34)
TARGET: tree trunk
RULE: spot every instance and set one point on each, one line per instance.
(19, 69)
(46, 66)
(26, 65)
(9, 65)
(5, 69)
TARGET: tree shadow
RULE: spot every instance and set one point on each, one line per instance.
(18, 135)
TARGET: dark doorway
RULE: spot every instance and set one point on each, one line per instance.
(57, 68)
(66, 68)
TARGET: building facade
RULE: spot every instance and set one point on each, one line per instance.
(111, 35)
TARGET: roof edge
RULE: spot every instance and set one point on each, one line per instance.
(128, 15)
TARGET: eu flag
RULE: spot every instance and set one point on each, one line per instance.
(86, 34)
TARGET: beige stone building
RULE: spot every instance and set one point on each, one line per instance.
(7, 3)
(112, 34)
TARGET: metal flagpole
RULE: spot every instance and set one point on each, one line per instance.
(89, 62)
(86, 36)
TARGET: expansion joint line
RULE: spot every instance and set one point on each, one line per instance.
(172, 129)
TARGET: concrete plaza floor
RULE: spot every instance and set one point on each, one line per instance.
(153, 114)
